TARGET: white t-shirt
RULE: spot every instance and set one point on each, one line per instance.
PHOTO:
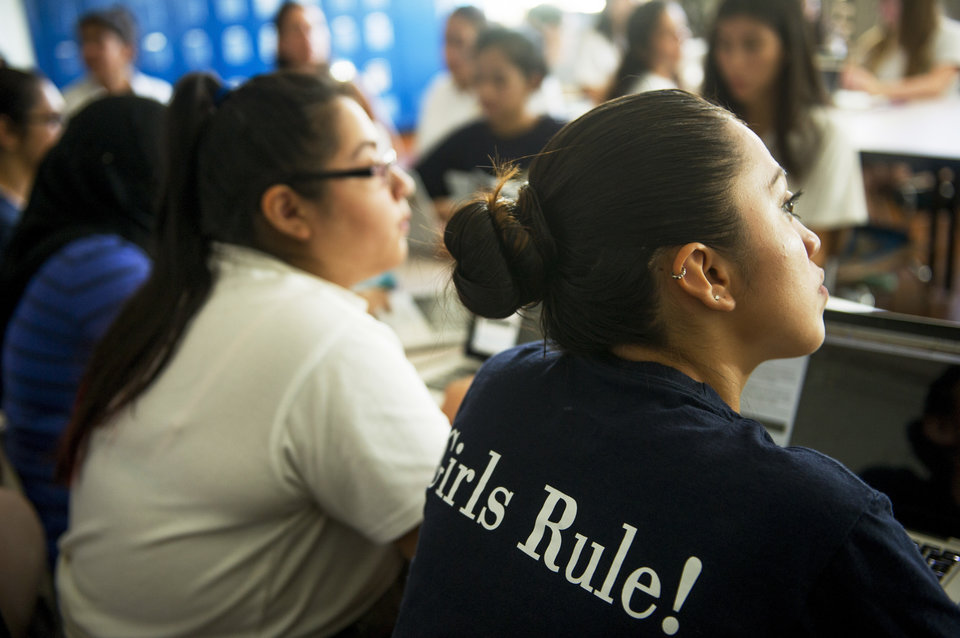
(445, 108)
(833, 191)
(83, 91)
(597, 60)
(255, 488)
(651, 82)
(946, 50)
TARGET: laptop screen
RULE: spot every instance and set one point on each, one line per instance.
(488, 337)
(855, 398)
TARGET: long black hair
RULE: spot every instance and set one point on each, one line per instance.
(799, 84)
(225, 148)
(100, 178)
(20, 91)
(611, 190)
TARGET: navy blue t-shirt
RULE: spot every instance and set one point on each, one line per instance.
(586, 497)
(471, 148)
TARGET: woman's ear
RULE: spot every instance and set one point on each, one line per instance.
(704, 275)
(534, 82)
(284, 211)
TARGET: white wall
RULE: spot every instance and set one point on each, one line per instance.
(16, 46)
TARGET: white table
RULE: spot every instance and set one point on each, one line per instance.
(922, 129)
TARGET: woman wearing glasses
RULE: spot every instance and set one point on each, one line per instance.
(249, 450)
(30, 123)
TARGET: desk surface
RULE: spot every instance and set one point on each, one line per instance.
(928, 128)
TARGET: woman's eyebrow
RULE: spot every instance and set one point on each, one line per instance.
(365, 144)
(780, 174)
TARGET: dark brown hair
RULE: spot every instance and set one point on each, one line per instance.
(518, 49)
(611, 190)
(918, 23)
(20, 91)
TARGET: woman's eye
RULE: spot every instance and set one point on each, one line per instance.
(788, 205)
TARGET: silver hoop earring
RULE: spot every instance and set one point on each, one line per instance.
(683, 272)
(716, 297)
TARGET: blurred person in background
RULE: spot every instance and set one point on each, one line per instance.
(303, 38)
(510, 69)
(654, 48)
(913, 53)
(108, 43)
(544, 24)
(80, 250)
(450, 101)
(601, 50)
(760, 65)
(31, 119)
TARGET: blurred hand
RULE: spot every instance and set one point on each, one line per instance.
(453, 396)
(856, 78)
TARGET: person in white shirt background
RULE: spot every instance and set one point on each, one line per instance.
(601, 49)
(108, 42)
(654, 48)
(760, 65)
(913, 53)
(450, 102)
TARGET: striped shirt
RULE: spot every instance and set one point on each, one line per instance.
(65, 309)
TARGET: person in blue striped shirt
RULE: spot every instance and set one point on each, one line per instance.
(80, 249)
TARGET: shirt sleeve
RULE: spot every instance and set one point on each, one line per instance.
(365, 435)
(433, 167)
(878, 585)
(946, 46)
(833, 191)
(113, 279)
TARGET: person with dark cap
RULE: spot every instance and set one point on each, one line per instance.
(108, 43)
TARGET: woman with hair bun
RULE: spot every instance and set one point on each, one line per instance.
(603, 482)
(249, 447)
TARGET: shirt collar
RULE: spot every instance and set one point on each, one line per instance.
(233, 258)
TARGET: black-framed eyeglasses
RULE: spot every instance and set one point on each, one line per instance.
(380, 169)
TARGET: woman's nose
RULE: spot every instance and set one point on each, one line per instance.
(812, 241)
(401, 182)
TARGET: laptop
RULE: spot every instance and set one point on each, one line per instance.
(853, 400)
(485, 338)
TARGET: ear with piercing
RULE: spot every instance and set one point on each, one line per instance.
(681, 274)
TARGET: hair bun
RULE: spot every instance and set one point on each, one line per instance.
(501, 261)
